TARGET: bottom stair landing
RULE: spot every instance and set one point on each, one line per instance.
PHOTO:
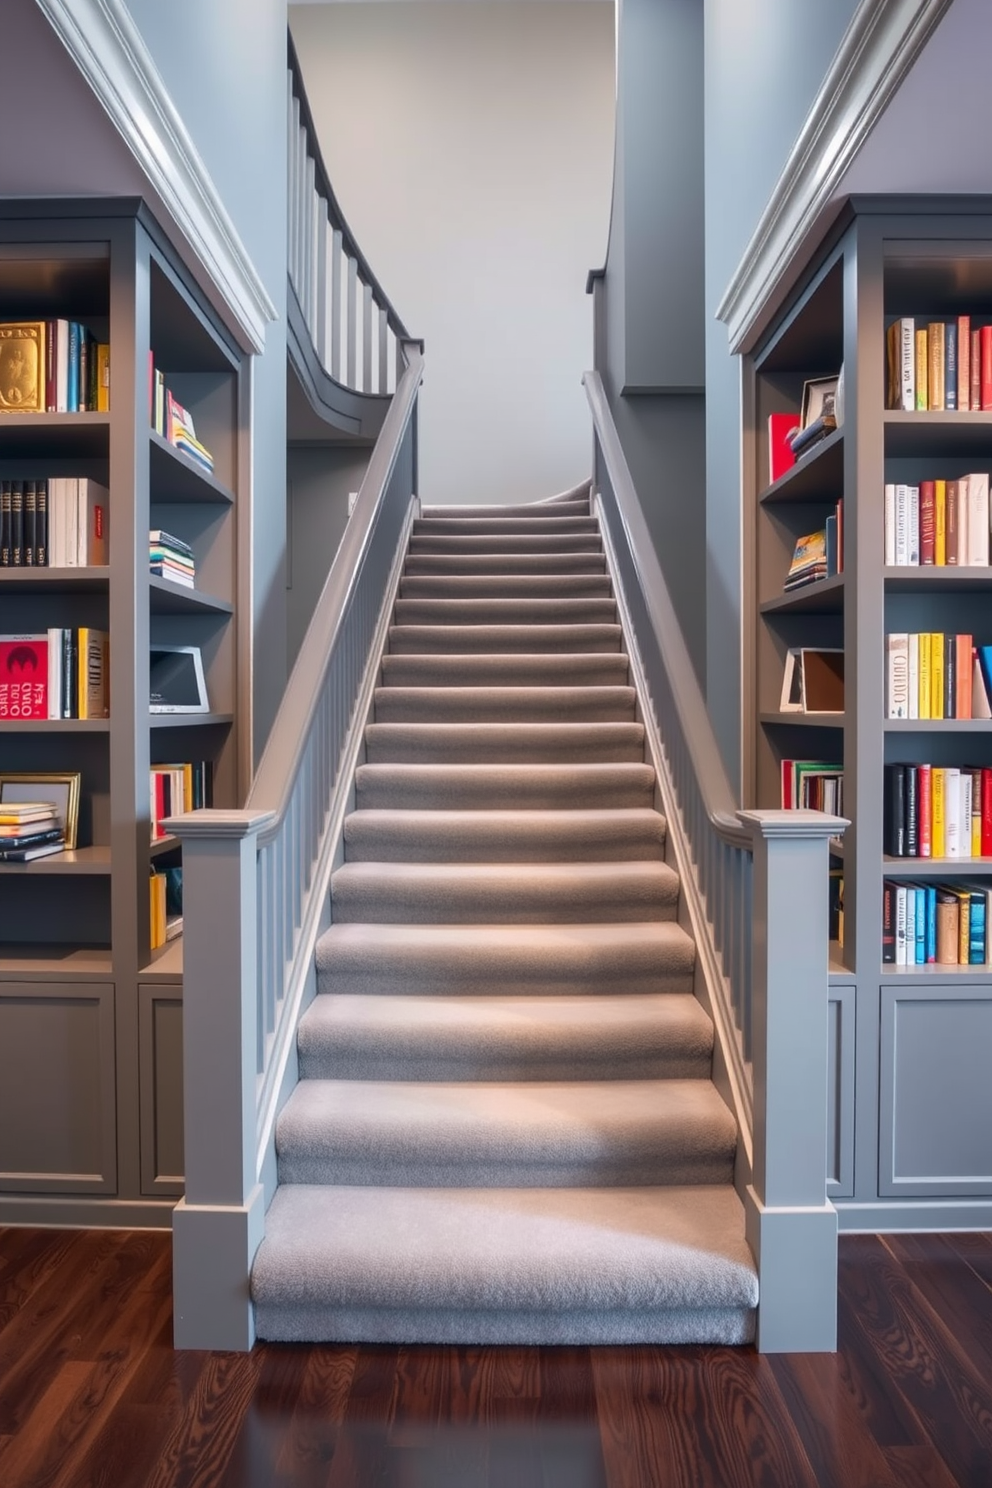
(505, 1128)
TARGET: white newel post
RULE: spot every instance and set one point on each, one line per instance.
(217, 1227)
(791, 1225)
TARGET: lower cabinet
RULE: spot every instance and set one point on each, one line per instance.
(840, 1091)
(160, 1054)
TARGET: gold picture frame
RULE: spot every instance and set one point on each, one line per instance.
(59, 786)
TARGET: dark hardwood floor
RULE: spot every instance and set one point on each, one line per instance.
(93, 1396)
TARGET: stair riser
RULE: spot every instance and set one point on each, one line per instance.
(496, 744)
(408, 842)
(463, 564)
(538, 511)
(575, 542)
(486, 526)
(448, 640)
(601, 669)
(504, 705)
(458, 612)
(445, 899)
(506, 586)
(517, 788)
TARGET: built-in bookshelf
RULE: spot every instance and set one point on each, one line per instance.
(90, 1012)
(903, 1035)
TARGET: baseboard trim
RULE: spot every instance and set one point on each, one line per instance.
(910, 1215)
(65, 1212)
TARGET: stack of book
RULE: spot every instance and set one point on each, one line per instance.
(809, 561)
(52, 366)
(806, 439)
(58, 673)
(939, 365)
(942, 924)
(170, 558)
(28, 830)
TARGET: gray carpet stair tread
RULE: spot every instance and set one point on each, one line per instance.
(503, 743)
(521, 610)
(421, 836)
(523, 1134)
(525, 512)
(480, 960)
(506, 586)
(504, 704)
(550, 669)
(504, 563)
(621, 1036)
(517, 893)
(483, 524)
(505, 786)
(451, 639)
(508, 542)
(505, 1266)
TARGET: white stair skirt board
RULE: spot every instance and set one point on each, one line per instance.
(505, 1129)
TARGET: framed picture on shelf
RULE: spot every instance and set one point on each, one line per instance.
(175, 680)
(819, 400)
(60, 788)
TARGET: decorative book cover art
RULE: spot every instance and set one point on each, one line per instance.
(23, 676)
(22, 366)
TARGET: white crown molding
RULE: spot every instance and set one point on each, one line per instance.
(106, 46)
(877, 50)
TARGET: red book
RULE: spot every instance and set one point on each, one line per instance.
(780, 456)
(927, 522)
(985, 334)
(924, 813)
(986, 812)
(23, 676)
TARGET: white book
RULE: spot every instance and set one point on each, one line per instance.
(913, 676)
(55, 559)
(952, 812)
(902, 525)
(54, 672)
(900, 897)
(964, 815)
(913, 498)
(61, 366)
(71, 518)
(890, 524)
(977, 503)
(907, 360)
(92, 506)
(897, 675)
(911, 924)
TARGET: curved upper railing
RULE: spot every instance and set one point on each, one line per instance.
(354, 327)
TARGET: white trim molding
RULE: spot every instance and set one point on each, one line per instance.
(880, 45)
(106, 46)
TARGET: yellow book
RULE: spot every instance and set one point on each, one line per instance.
(93, 673)
(935, 385)
(156, 906)
(103, 378)
(940, 522)
(923, 700)
(936, 674)
(976, 813)
(922, 368)
(937, 812)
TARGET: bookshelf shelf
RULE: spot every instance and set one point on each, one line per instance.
(824, 597)
(916, 434)
(935, 867)
(814, 477)
(802, 720)
(938, 580)
(940, 726)
(75, 927)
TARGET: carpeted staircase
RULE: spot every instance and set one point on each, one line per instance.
(505, 1129)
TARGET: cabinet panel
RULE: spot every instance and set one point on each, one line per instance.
(935, 1095)
(57, 1102)
(840, 1091)
(160, 1033)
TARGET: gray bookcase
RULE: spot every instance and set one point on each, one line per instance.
(90, 1017)
(911, 1142)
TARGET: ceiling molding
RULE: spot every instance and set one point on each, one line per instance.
(880, 45)
(106, 46)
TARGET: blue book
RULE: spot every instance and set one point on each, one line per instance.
(921, 926)
(931, 924)
(910, 925)
(951, 365)
(977, 925)
(72, 368)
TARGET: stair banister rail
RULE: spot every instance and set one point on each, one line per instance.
(757, 891)
(354, 328)
(256, 897)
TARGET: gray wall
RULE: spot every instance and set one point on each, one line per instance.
(223, 63)
(470, 147)
(319, 479)
(764, 63)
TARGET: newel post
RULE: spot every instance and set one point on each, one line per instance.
(217, 1227)
(791, 1225)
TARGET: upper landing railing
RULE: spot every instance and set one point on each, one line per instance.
(353, 327)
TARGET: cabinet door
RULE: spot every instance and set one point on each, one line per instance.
(840, 1092)
(160, 1038)
(935, 1094)
(57, 1100)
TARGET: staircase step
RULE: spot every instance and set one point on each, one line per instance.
(504, 563)
(651, 956)
(612, 1037)
(490, 526)
(518, 611)
(503, 836)
(505, 704)
(506, 1266)
(525, 512)
(551, 669)
(509, 542)
(511, 893)
(503, 743)
(508, 1135)
(455, 640)
(506, 586)
(503, 787)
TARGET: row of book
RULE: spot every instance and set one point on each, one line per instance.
(165, 905)
(58, 673)
(174, 422)
(171, 558)
(29, 830)
(938, 365)
(818, 555)
(942, 523)
(938, 811)
(812, 785)
(175, 788)
(52, 366)
(934, 675)
(58, 522)
(946, 924)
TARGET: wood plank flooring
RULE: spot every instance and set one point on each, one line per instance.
(92, 1394)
